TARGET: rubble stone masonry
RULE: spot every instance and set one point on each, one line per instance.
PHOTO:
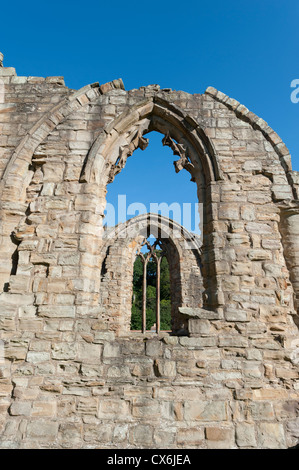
(73, 374)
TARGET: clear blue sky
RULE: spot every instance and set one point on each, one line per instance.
(247, 49)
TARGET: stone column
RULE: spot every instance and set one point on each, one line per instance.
(289, 227)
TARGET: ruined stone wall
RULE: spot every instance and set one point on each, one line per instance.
(66, 379)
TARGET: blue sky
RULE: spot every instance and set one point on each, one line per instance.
(248, 50)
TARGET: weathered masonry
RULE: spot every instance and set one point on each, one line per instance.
(73, 374)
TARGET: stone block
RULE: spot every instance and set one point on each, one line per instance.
(253, 165)
(248, 213)
(102, 336)
(229, 211)
(233, 340)
(70, 435)
(271, 436)
(259, 228)
(261, 411)
(145, 408)
(16, 299)
(40, 429)
(114, 409)
(119, 372)
(25, 393)
(259, 197)
(293, 427)
(120, 433)
(87, 406)
(245, 435)
(172, 340)
(89, 353)
(199, 313)
(39, 345)
(209, 354)
(281, 192)
(58, 311)
(53, 172)
(65, 299)
(165, 368)
(8, 309)
(153, 348)
(199, 327)
(89, 370)
(20, 408)
(236, 315)
(220, 437)
(285, 373)
(269, 244)
(253, 370)
(238, 239)
(7, 71)
(222, 267)
(37, 356)
(188, 437)
(226, 375)
(164, 437)
(205, 411)
(95, 434)
(5, 388)
(19, 283)
(64, 351)
(44, 408)
(141, 435)
(111, 350)
(69, 259)
(259, 255)
(241, 269)
(269, 394)
(7, 324)
(142, 370)
(231, 283)
(31, 324)
(198, 342)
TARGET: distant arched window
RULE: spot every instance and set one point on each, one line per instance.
(173, 245)
(150, 268)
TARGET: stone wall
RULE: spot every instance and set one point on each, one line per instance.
(67, 380)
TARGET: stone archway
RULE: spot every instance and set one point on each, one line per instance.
(19, 171)
(188, 141)
(124, 134)
(183, 252)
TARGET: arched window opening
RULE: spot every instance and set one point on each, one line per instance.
(151, 303)
(150, 182)
(130, 282)
(153, 185)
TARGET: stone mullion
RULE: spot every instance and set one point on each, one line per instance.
(144, 261)
(158, 264)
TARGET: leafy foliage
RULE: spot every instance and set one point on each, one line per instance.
(151, 278)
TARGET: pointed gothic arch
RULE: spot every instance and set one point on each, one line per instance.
(123, 135)
(183, 253)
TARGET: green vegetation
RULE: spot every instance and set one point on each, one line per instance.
(165, 306)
